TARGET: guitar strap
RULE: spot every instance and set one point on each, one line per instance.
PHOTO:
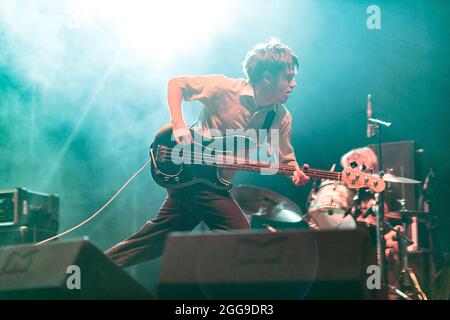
(270, 116)
(268, 121)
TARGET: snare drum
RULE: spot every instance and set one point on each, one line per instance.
(330, 206)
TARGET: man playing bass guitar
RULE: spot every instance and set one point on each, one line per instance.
(270, 69)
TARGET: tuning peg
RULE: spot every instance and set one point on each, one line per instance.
(353, 164)
(363, 167)
(381, 173)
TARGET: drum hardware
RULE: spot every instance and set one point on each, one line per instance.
(311, 222)
(271, 206)
(363, 195)
(409, 285)
(366, 213)
(407, 278)
(400, 293)
(400, 235)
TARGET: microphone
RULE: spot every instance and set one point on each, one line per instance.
(369, 116)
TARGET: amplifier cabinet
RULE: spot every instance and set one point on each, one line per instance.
(21, 207)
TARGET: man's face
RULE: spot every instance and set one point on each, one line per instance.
(283, 85)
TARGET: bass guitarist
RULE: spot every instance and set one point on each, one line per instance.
(228, 103)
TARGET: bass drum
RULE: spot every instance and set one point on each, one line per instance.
(329, 207)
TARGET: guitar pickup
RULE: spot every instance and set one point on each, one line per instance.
(161, 153)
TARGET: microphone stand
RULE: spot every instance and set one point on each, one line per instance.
(375, 125)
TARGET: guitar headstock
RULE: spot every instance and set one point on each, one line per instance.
(354, 178)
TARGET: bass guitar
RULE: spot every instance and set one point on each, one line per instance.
(177, 166)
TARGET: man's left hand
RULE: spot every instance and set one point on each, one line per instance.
(300, 178)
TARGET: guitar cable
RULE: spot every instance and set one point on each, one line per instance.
(99, 210)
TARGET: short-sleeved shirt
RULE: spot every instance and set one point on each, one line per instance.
(230, 104)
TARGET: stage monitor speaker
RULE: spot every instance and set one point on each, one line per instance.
(64, 270)
(284, 265)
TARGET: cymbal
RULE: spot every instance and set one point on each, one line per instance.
(263, 202)
(390, 177)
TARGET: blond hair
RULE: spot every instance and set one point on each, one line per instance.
(364, 155)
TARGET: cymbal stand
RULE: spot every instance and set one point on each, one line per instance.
(404, 280)
(407, 278)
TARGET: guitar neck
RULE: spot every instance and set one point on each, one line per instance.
(353, 178)
(258, 166)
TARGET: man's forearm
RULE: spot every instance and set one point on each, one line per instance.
(174, 98)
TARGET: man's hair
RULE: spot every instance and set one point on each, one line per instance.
(272, 56)
(364, 155)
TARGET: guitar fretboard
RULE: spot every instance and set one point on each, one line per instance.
(258, 166)
(235, 163)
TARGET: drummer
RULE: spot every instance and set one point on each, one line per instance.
(366, 200)
(361, 202)
(364, 157)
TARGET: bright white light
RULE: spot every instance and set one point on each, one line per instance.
(160, 29)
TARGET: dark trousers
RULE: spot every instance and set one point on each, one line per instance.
(182, 210)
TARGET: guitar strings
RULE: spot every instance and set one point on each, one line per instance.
(258, 163)
(315, 173)
(284, 168)
(261, 164)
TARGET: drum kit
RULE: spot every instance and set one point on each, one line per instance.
(330, 206)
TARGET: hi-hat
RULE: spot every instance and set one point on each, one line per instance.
(263, 202)
(390, 177)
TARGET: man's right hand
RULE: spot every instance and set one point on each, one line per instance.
(181, 132)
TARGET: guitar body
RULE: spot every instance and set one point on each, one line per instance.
(174, 174)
